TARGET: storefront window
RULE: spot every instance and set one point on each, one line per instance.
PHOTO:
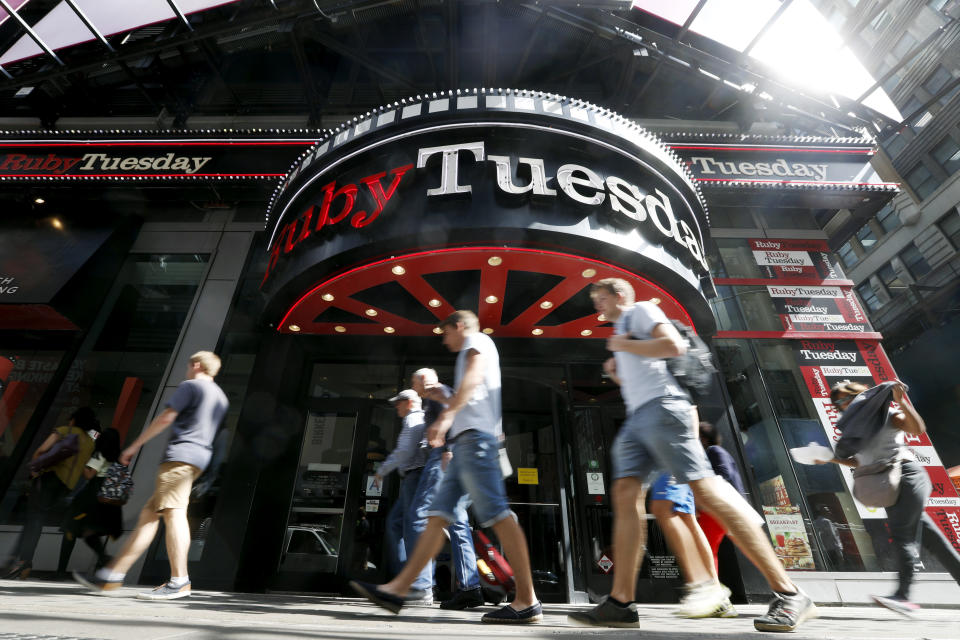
(756, 305)
(726, 311)
(737, 258)
(120, 365)
(731, 218)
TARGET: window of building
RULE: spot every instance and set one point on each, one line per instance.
(888, 219)
(846, 254)
(936, 5)
(867, 237)
(731, 218)
(880, 21)
(894, 145)
(914, 261)
(903, 46)
(868, 296)
(937, 80)
(950, 226)
(789, 219)
(922, 181)
(947, 155)
(737, 258)
(894, 285)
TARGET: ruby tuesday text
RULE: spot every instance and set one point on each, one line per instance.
(625, 200)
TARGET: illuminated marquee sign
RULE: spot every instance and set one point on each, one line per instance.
(500, 168)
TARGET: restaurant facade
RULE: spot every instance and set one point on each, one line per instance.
(323, 292)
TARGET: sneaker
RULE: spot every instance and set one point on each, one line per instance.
(895, 603)
(464, 599)
(388, 601)
(606, 614)
(97, 585)
(705, 600)
(726, 610)
(509, 615)
(786, 613)
(165, 591)
(418, 598)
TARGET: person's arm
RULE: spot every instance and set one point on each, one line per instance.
(610, 368)
(45, 446)
(472, 377)
(847, 462)
(158, 426)
(665, 342)
(908, 419)
(407, 443)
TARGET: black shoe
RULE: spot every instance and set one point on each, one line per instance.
(16, 569)
(509, 615)
(464, 599)
(388, 601)
(607, 614)
(786, 613)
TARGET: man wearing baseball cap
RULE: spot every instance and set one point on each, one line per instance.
(408, 459)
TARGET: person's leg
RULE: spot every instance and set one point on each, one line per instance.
(45, 492)
(428, 546)
(745, 532)
(629, 536)
(904, 520)
(714, 534)
(681, 542)
(96, 543)
(67, 542)
(178, 540)
(396, 551)
(137, 542)
(462, 551)
(935, 542)
(518, 555)
(414, 523)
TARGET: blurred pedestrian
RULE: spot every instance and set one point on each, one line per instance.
(55, 470)
(726, 467)
(193, 415)
(87, 517)
(473, 421)
(873, 434)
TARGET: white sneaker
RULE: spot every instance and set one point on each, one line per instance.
(706, 600)
(165, 591)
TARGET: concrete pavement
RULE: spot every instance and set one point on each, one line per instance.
(60, 610)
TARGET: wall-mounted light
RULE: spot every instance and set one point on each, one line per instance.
(294, 327)
(39, 200)
(57, 224)
(327, 297)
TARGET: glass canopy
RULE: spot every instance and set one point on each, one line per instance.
(791, 38)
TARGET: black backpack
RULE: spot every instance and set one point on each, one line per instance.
(694, 370)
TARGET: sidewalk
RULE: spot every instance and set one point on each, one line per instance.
(33, 609)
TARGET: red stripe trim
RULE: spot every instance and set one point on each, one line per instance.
(143, 175)
(773, 282)
(861, 151)
(803, 335)
(854, 184)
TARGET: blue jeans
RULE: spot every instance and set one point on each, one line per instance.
(462, 552)
(473, 472)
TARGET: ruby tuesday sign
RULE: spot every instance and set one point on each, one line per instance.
(486, 181)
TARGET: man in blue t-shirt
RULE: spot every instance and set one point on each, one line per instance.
(660, 434)
(193, 415)
(472, 422)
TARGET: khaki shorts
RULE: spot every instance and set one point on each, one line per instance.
(172, 488)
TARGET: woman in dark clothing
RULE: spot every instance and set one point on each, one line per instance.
(49, 486)
(87, 517)
(909, 524)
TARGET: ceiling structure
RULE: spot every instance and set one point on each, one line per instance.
(202, 63)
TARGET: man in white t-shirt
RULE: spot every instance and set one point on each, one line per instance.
(659, 434)
(472, 422)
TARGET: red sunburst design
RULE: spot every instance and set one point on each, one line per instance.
(569, 274)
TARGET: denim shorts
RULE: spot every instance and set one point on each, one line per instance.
(474, 470)
(659, 436)
(666, 488)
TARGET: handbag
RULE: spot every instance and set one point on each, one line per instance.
(62, 449)
(878, 484)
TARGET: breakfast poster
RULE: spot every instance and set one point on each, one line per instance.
(789, 537)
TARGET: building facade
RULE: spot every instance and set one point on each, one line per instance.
(318, 263)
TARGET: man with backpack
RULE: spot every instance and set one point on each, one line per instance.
(193, 415)
(660, 434)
